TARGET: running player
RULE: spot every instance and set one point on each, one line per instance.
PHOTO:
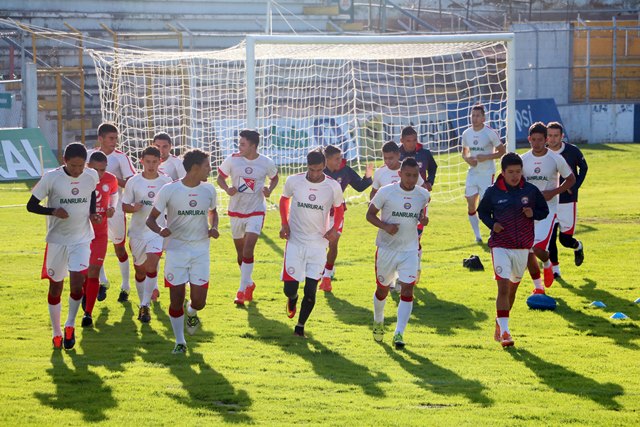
(568, 202)
(389, 173)
(509, 208)
(192, 218)
(541, 167)
(248, 171)
(119, 165)
(338, 170)
(145, 245)
(171, 165)
(305, 204)
(480, 147)
(71, 206)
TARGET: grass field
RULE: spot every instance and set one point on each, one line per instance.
(571, 366)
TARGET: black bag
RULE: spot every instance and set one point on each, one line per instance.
(473, 263)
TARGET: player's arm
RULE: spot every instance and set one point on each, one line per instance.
(93, 216)
(153, 224)
(497, 153)
(372, 194)
(485, 210)
(566, 185)
(360, 183)
(222, 183)
(540, 208)
(34, 206)
(113, 204)
(127, 170)
(467, 157)
(128, 200)
(273, 183)
(372, 217)
(213, 223)
(582, 173)
(285, 205)
(432, 167)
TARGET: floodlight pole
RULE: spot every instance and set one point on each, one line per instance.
(269, 24)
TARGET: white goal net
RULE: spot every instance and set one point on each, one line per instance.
(303, 92)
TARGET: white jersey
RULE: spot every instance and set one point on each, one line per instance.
(141, 190)
(187, 210)
(543, 172)
(481, 142)
(248, 177)
(311, 204)
(172, 167)
(385, 176)
(119, 164)
(74, 196)
(403, 208)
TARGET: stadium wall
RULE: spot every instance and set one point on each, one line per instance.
(601, 123)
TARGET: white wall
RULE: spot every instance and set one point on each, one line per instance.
(598, 123)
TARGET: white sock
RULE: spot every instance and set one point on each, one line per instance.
(538, 283)
(556, 269)
(503, 322)
(475, 224)
(55, 312)
(124, 271)
(140, 289)
(177, 324)
(150, 283)
(328, 273)
(378, 309)
(246, 270)
(579, 246)
(73, 311)
(404, 311)
(547, 264)
(190, 310)
(103, 276)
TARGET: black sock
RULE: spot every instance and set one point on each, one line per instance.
(308, 301)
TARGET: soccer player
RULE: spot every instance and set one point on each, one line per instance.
(171, 165)
(338, 170)
(401, 207)
(248, 171)
(71, 206)
(106, 204)
(411, 148)
(480, 147)
(509, 208)
(389, 173)
(120, 165)
(305, 204)
(541, 167)
(192, 218)
(568, 202)
(146, 246)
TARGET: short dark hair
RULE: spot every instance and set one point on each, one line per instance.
(73, 150)
(98, 157)
(331, 150)
(162, 136)
(478, 107)
(555, 125)
(193, 157)
(510, 159)
(106, 128)
(407, 131)
(151, 151)
(315, 157)
(390, 147)
(251, 135)
(409, 162)
(538, 127)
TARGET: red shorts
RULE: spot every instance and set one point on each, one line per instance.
(98, 249)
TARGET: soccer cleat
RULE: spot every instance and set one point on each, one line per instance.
(69, 337)
(578, 255)
(299, 331)
(398, 341)
(496, 334)
(248, 293)
(192, 323)
(292, 307)
(325, 284)
(240, 298)
(479, 240)
(124, 296)
(179, 349)
(87, 320)
(144, 315)
(155, 295)
(537, 291)
(57, 342)
(378, 331)
(102, 293)
(548, 276)
(506, 340)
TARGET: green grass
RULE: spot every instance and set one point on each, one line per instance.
(571, 366)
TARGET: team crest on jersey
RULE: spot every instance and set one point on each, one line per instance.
(170, 277)
(525, 200)
(75, 191)
(312, 197)
(151, 194)
(537, 170)
(475, 142)
(192, 203)
(249, 183)
(248, 170)
(339, 180)
(380, 278)
(51, 272)
(407, 205)
(498, 269)
(291, 270)
(105, 187)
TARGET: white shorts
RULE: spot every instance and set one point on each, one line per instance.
(509, 263)
(141, 247)
(391, 264)
(477, 184)
(240, 226)
(543, 229)
(567, 213)
(188, 262)
(59, 259)
(302, 261)
(117, 227)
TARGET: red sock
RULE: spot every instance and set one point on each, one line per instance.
(91, 293)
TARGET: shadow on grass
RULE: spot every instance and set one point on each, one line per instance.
(437, 379)
(444, 316)
(271, 243)
(348, 313)
(562, 380)
(327, 363)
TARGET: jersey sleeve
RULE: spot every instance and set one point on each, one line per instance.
(225, 167)
(128, 197)
(272, 169)
(338, 198)
(563, 166)
(180, 170)
(379, 199)
(113, 183)
(287, 191)
(214, 199)
(43, 187)
(465, 138)
(420, 180)
(160, 203)
(126, 167)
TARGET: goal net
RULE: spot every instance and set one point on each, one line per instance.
(302, 92)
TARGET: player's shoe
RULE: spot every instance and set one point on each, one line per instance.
(378, 331)
(548, 276)
(299, 331)
(496, 334)
(537, 291)
(248, 293)
(155, 295)
(292, 307)
(57, 342)
(578, 255)
(87, 320)
(124, 296)
(398, 341)
(325, 284)
(179, 349)
(144, 315)
(506, 340)
(192, 323)
(240, 298)
(69, 337)
(102, 292)
(479, 240)
(556, 271)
